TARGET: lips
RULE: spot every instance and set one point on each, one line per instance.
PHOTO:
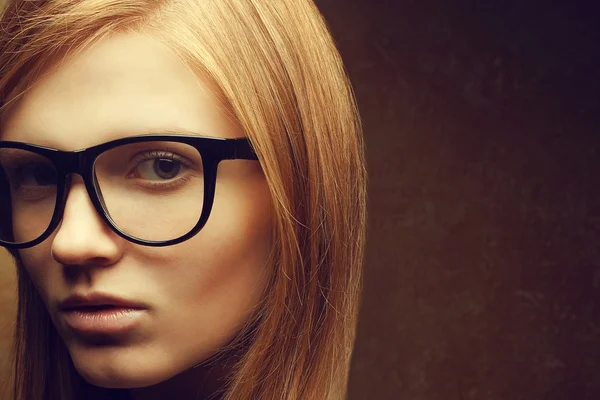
(98, 301)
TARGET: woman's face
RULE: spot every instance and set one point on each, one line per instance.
(196, 294)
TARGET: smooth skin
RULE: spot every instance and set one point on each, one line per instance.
(199, 293)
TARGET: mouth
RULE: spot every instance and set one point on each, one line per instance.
(102, 307)
(101, 314)
(103, 320)
(98, 301)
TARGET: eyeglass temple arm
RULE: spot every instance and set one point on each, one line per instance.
(239, 149)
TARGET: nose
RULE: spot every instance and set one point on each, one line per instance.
(82, 237)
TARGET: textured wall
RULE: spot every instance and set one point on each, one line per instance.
(483, 269)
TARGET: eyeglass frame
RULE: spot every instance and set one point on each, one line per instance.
(212, 150)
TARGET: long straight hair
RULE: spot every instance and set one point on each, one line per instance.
(277, 71)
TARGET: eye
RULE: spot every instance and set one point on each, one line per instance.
(38, 174)
(159, 168)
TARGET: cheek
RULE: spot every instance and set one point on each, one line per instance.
(37, 263)
(217, 278)
(233, 247)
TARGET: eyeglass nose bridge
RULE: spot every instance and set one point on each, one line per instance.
(77, 162)
(72, 162)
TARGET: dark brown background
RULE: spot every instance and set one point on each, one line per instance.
(483, 270)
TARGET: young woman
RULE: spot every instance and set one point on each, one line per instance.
(182, 186)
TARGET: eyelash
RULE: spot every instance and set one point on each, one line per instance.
(153, 154)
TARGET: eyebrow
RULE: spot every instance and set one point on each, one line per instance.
(178, 131)
(118, 134)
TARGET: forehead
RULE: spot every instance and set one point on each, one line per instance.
(126, 84)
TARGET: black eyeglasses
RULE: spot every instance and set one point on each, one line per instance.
(154, 190)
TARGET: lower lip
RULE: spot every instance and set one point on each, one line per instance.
(110, 321)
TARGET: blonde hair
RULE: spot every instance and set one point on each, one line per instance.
(279, 73)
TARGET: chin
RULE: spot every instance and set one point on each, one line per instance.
(114, 376)
(123, 382)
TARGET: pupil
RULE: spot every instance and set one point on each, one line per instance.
(44, 175)
(166, 168)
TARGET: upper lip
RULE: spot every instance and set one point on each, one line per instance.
(97, 299)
